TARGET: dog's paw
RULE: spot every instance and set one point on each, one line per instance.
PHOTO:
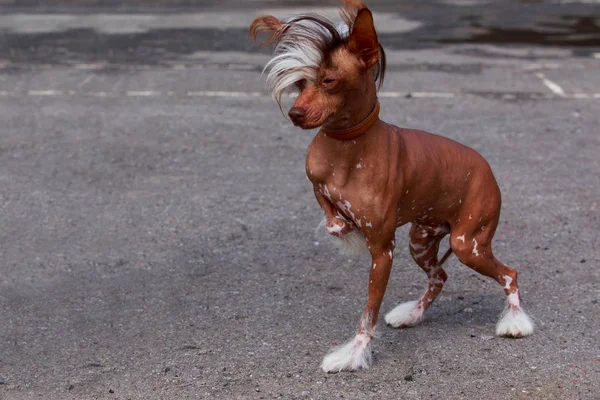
(514, 323)
(350, 243)
(405, 315)
(338, 227)
(351, 356)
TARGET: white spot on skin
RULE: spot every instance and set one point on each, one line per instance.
(369, 225)
(513, 299)
(470, 216)
(508, 281)
(374, 265)
(416, 246)
(460, 201)
(461, 238)
(346, 207)
(358, 166)
(334, 229)
(420, 253)
(439, 230)
(475, 248)
(325, 191)
(391, 254)
(430, 208)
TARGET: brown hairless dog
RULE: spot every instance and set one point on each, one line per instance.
(371, 177)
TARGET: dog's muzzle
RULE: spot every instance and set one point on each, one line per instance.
(297, 115)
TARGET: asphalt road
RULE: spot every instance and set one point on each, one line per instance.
(157, 237)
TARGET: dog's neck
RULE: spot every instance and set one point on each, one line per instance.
(357, 130)
(359, 108)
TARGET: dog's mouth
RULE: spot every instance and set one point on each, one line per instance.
(310, 123)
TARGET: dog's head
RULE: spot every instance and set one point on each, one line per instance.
(329, 65)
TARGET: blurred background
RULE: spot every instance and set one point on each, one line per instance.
(160, 32)
(156, 225)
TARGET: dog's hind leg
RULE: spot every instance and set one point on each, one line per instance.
(473, 248)
(424, 246)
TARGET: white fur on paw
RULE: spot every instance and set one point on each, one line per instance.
(351, 244)
(351, 356)
(405, 314)
(514, 323)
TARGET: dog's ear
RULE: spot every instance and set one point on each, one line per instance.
(268, 24)
(363, 39)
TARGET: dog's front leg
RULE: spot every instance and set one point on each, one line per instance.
(356, 354)
(335, 223)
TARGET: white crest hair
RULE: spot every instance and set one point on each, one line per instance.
(301, 44)
(300, 50)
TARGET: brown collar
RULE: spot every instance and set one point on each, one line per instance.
(355, 131)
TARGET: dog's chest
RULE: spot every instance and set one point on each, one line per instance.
(335, 172)
(345, 181)
(334, 163)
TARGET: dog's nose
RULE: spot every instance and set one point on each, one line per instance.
(297, 114)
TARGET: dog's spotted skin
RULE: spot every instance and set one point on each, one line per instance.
(386, 176)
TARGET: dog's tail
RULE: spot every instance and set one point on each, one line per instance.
(443, 260)
(351, 244)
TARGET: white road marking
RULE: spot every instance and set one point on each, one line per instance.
(237, 94)
(44, 93)
(417, 94)
(113, 23)
(143, 93)
(578, 96)
(205, 93)
(553, 86)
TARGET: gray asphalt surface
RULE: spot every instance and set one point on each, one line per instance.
(157, 237)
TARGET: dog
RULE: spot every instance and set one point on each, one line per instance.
(370, 177)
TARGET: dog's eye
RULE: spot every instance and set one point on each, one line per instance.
(329, 82)
(300, 84)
